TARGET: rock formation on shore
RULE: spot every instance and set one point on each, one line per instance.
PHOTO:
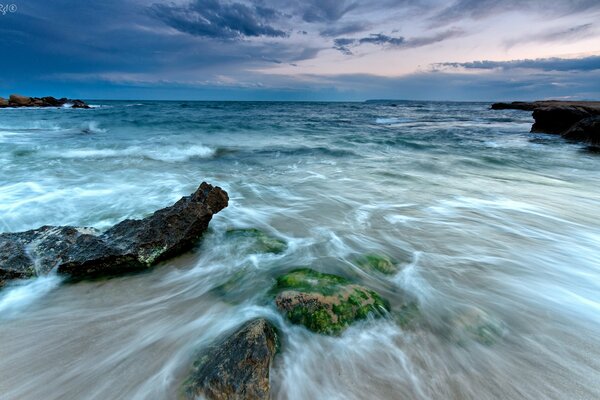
(128, 246)
(17, 100)
(238, 367)
(575, 120)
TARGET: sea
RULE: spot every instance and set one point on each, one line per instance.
(495, 232)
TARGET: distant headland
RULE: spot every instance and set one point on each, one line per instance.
(17, 100)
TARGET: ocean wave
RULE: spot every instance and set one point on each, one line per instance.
(92, 127)
(16, 298)
(390, 121)
(167, 154)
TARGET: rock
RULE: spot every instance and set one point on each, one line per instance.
(238, 367)
(126, 247)
(557, 119)
(48, 101)
(587, 130)
(79, 104)
(378, 262)
(16, 100)
(258, 241)
(561, 117)
(325, 303)
(475, 324)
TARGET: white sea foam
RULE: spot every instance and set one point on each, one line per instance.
(167, 154)
(14, 299)
(391, 120)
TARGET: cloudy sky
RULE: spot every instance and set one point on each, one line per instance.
(302, 49)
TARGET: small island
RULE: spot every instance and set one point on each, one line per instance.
(17, 100)
(574, 120)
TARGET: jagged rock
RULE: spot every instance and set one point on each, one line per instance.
(128, 246)
(324, 303)
(238, 367)
(19, 101)
(53, 102)
(587, 130)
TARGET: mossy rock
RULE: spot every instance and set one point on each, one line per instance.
(259, 241)
(231, 289)
(325, 303)
(407, 315)
(378, 262)
(477, 325)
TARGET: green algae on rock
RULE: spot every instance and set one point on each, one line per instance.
(378, 262)
(407, 315)
(259, 240)
(325, 303)
(476, 324)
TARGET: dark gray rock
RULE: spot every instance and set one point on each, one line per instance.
(236, 368)
(128, 246)
(3, 102)
(587, 130)
(576, 120)
(557, 119)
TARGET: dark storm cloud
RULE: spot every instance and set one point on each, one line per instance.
(214, 19)
(543, 64)
(345, 44)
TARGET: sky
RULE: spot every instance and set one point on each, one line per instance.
(331, 50)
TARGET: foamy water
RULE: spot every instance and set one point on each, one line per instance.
(491, 226)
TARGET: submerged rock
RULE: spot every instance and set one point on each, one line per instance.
(378, 262)
(238, 367)
(128, 246)
(325, 303)
(258, 240)
(477, 325)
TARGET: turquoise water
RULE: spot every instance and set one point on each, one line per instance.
(492, 228)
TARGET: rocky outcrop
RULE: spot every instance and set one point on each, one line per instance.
(576, 120)
(587, 130)
(17, 100)
(129, 246)
(238, 367)
(324, 303)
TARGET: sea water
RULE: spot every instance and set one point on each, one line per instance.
(496, 233)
